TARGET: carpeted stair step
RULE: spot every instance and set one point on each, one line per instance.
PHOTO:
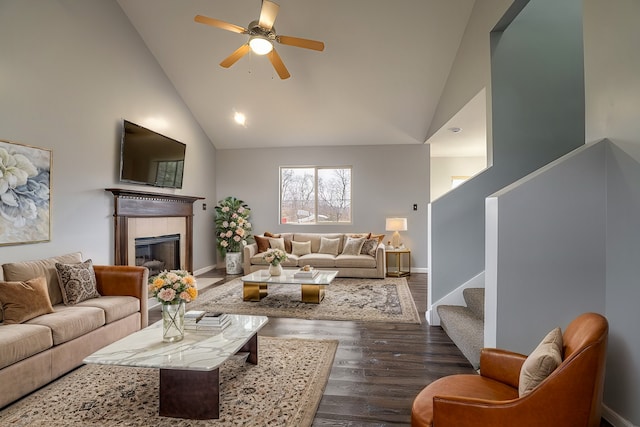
(474, 297)
(465, 329)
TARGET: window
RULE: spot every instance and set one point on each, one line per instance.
(315, 195)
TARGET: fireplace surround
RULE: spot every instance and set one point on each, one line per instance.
(160, 214)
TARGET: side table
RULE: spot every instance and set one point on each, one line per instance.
(400, 270)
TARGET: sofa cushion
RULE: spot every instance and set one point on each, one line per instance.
(353, 246)
(355, 261)
(262, 242)
(69, 322)
(24, 300)
(114, 307)
(276, 243)
(541, 362)
(329, 246)
(317, 260)
(369, 247)
(21, 341)
(26, 270)
(77, 282)
(300, 248)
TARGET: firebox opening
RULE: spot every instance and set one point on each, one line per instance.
(158, 253)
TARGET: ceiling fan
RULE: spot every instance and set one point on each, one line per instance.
(262, 34)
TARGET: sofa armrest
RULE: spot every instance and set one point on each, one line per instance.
(125, 280)
(501, 365)
(249, 251)
(381, 261)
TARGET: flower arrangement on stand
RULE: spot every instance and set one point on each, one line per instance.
(274, 257)
(233, 229)
(173, 289)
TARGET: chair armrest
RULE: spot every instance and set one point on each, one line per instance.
(125, 280)
(501, 365)
(470, 412)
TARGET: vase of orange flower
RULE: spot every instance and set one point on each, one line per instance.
(173, 289)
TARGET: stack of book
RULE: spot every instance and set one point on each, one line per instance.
(306, 274)
(196, 320)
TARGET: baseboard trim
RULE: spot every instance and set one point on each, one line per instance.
(615, 419)
(419, 270)
(203, 270)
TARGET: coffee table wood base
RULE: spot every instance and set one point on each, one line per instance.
(195, 395)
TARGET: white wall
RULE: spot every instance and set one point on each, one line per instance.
(443, 168)
(387, 181)
(71, 70)
(612, 67)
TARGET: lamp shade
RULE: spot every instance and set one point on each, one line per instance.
(396, 224)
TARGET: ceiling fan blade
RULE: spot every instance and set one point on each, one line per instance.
(298, 42)
(233, 58)
(268, 14)
(220, 24)
(277, 63)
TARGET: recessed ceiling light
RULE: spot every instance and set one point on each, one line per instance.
(239, 118)
(455, 129)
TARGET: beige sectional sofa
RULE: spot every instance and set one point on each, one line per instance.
(41, 349)
(325, 251)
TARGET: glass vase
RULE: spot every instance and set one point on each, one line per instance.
(173, 322)
(275, 270)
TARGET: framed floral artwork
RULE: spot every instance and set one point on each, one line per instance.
(25, 182)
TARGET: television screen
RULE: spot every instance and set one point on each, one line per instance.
(148, 158)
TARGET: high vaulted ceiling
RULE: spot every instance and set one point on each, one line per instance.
(378, 81)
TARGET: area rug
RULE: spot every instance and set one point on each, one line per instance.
(283, 389)
(375, 300)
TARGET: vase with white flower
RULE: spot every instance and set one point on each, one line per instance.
(275, 257)
(173, 289)
(233, 229)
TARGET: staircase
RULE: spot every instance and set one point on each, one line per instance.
(465, 324)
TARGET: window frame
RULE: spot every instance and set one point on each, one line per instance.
(315, 221)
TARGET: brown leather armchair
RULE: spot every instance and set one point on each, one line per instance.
(570, 396)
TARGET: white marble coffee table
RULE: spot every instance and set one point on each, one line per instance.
(254, 285)
(189, 369)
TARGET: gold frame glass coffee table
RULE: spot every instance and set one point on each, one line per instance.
(189, 369)
(254, 285)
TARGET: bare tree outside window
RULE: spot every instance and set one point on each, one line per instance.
(312, 195)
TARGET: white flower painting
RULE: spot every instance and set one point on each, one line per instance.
(24, 194)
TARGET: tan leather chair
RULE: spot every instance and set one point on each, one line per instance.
(570, 396)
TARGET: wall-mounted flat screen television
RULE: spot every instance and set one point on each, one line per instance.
(148, 158)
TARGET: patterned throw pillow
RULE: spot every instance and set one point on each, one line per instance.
(77, 282)
(353, 246)
(22, 301)
(369, 247)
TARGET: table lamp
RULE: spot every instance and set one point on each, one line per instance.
(395, 225)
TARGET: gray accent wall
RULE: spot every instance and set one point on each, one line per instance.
(538, 115)
(612, 89)
(70, 71)
(386, 180)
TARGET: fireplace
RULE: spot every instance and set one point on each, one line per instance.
(142, 215)
(158, 253)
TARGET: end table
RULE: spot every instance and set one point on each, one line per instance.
(399, 270)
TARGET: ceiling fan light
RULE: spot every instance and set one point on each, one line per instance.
(260, 45)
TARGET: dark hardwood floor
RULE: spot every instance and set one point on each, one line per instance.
(378, 368)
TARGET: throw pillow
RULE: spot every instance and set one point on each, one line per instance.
(286, 237)
(369, 247)
(353, 246)
(300, 248)
(380, 237)
(329, 246)
(541, 362)
(22, 301)
(77, 282)
(263, 243)
(276, 243)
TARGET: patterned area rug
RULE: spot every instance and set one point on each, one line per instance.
(284, 389)
(374, 300)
